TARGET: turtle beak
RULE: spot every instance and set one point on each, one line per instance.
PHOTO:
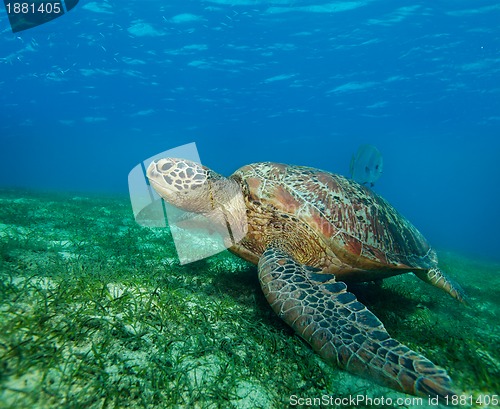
(151, 171)
(152, 174)
(156, 179)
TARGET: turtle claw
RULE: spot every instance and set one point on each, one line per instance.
(342, 330)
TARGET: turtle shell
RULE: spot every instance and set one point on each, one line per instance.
(361, 227)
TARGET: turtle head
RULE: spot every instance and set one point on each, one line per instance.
(183, 183)
(195, 188)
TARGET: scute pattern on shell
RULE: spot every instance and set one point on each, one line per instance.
(352, 216)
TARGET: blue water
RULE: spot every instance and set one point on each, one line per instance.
(87, 96)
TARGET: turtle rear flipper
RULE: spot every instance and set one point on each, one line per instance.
(438, 278)
(341, 329)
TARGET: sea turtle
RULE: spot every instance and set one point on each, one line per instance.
(309, 231)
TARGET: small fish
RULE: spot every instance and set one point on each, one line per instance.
(367, 165)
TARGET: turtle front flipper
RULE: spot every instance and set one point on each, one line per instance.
(342, 330)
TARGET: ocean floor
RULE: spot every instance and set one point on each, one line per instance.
(96, 312)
